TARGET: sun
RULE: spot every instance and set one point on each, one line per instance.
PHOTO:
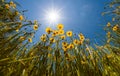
(52, 16)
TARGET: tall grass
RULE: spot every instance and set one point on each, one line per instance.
(58, 52)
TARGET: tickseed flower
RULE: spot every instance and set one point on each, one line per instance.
(81, 42)
(108, 24)
(83, 62)
(55, 33)
(30, 40)
(35, 27)
(64, 43)
(35, 22)
(62, 37)
(60, 26)
(65, 48)
(52, 40)
(109, 56)
(14, 5)
(49, 55)
(81, 36)
(87, 49)
(116, 27)
(69, 33)
(22, 38)
(16, 12)
(113, 19)
(43, 38)
(71, 46)
(76, 42)
(21, 17)
(108, 34)
(48, 30)
(11, 3)
(17, 30)
(61, 32)
(7, 6)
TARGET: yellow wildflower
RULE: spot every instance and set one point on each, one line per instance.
(17, 30)
(35, 27)
(35, 22)
(7, 6)
(108, 24)
(83, 62)
(43, 38)
(61, 32)
(62, 37)
(65, 48)
(64, 43)
(21, 17)
(71, 46)
(52, 40)
(22, 38)
(14, 5)
(81, 36)
(116, 27)
(109, 56)
(113, 19)
(87, 49)
(48, 30)
(60, 26)
(76, 42)
(49, 55)
(69, 33)
(108, 34)
(11, 3)
(81, 42)
(30, 39)
(16, 12)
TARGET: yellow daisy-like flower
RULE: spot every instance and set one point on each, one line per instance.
(69, 33)
(61, 32)
(83, 62)
(49, 55)
(108, 24)
(81, 42)
(116, 27)
(35, 27)
(64, 43)
(71, 46)
(48, 30)
(35, 22)
(113, 19)
(21, 17)
(62, 37)
(7, 6)
(65, 48)
(76, 42)
(87, 49)
(53, 34)
(16, 12)
(11, 3)
(14, 5)
(22, 38)
(43, 38)
(109, 56)
(52, 40)
(17, 30)
(30, 40)
(108, 34)
(60, 26)
(81, 36)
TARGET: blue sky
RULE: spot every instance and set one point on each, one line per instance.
(77, 15)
